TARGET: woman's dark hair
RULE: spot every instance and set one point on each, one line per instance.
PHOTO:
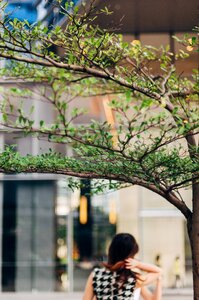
(122, 247)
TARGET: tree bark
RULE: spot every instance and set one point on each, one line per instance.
(193, 232)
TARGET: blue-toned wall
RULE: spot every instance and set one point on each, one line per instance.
(30, 10)
(22, 10)
(53, 15)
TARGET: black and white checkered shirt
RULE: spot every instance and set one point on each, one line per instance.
(106, 287)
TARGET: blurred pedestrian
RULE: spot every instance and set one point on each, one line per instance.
(158, 261)
(177, 271)
(121, 277)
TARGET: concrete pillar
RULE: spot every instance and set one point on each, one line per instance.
(128, 211)
(164, 236)
(162, 231)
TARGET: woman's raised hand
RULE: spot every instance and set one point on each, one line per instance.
(131, 263)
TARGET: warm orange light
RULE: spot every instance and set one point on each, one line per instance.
(108, 111)
(83, 210)
(112, 212)
(135, 43)
(189, 48)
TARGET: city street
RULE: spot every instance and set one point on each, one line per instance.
(170, 294)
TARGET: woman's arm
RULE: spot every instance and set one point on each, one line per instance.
(146, 293)
(88, 292)
(152, 271)
(156, 294)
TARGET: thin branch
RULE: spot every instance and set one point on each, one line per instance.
(182, 183)
(165, 80)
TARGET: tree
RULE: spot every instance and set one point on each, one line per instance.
(151, 140)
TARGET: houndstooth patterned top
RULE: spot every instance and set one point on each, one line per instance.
(106, 287)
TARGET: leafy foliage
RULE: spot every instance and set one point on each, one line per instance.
(149, 134)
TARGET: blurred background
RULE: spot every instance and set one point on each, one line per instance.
(51, 237)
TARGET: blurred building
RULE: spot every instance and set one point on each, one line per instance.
(51, 237)
(24, 9)
(27, 223)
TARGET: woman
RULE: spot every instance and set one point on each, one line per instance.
(121, 277)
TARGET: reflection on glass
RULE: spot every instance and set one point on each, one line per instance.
(39, 248)
(83, 210)
(112, 212)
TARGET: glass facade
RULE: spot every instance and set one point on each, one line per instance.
(46, 242)
(22, 10)
(28, 230)
(84, 229)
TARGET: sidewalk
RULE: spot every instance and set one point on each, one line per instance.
(181, 294)
(168, 294)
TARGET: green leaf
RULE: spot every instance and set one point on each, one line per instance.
(5, 117)
(41, 123)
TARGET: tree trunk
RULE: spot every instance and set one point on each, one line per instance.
(193, 232)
